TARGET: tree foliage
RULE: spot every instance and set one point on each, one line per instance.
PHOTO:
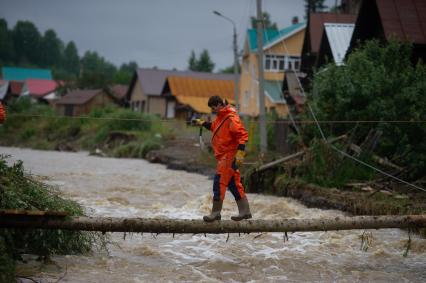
(370, 87)
(24, 46)
(202, 64)
(27, 39)
(50, 49)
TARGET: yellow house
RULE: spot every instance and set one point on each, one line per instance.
(282, 50)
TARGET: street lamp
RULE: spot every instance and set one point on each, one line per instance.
(235, 57)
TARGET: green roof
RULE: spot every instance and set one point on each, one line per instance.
(273, 89)
(270, 35)
(22, 74)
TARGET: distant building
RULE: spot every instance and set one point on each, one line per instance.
(282, 50)
(314, 34)
(22, 74)
(119, 92)
(186, 96)
(334, 43)
(40, 90)
(145, 90)
(404, 20)
(82, 102)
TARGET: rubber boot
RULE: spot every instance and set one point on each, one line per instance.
(215, 215)
(243, 210)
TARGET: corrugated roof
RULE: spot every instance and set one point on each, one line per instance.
(273, 91)
(316, 26)
(405, 19)
(196, 92)
(270, 36)
(339, 37)
(22, 74)
(78, 96)
(39, 88)
(152, 80)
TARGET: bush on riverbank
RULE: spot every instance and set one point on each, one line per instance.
(21, 191)
(369, 87)
(40, 127)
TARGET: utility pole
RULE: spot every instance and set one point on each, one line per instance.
(237, 106)
(262, 118)
(235, 48)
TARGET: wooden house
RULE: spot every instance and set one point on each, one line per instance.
(145, 90)
(282, 50)
(82, 102)
(404, 20)
(186, 96)
(314, 34)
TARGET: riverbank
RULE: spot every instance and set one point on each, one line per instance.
(357, 199)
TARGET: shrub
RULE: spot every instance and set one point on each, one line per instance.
(370, 87)
(20, 191)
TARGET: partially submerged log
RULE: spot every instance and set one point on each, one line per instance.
(181, 226)
(295, 155)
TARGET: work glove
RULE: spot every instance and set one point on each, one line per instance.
(239, 157)
(197, 122)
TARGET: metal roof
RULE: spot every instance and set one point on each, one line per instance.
(22, 74)
(273, 91)
(152, 80)
(40, 88)
(196, 92)
(316, 26)
(78, 96)
(271, 36)
(405, 19)
(339, 37)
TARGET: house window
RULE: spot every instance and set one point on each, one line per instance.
(274, 63)
(280, 63)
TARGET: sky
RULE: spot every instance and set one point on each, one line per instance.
(158, 33)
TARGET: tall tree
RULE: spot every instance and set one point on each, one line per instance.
(50, 49)
(267, 24)
(6, 43)
(125, 73)
(26, 39)
(97, 73)
(205, 64)
(202, 64)
(70, 59)
(192, 61)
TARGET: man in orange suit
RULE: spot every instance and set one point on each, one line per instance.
(228, 141)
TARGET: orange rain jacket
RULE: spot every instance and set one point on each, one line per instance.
(2, 113)
(227, 132)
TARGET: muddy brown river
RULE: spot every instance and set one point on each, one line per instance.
(136, 188)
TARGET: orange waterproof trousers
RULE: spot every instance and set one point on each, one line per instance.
(227, 176)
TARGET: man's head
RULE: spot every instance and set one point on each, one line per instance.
(215, 103)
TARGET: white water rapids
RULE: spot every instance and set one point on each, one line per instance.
(136, 188)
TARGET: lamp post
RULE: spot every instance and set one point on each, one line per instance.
(235, 57)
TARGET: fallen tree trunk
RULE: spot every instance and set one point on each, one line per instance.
(108, 224)
(295, 155)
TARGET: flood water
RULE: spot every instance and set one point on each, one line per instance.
(136, 188)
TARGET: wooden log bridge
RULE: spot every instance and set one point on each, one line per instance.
(180, 226)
